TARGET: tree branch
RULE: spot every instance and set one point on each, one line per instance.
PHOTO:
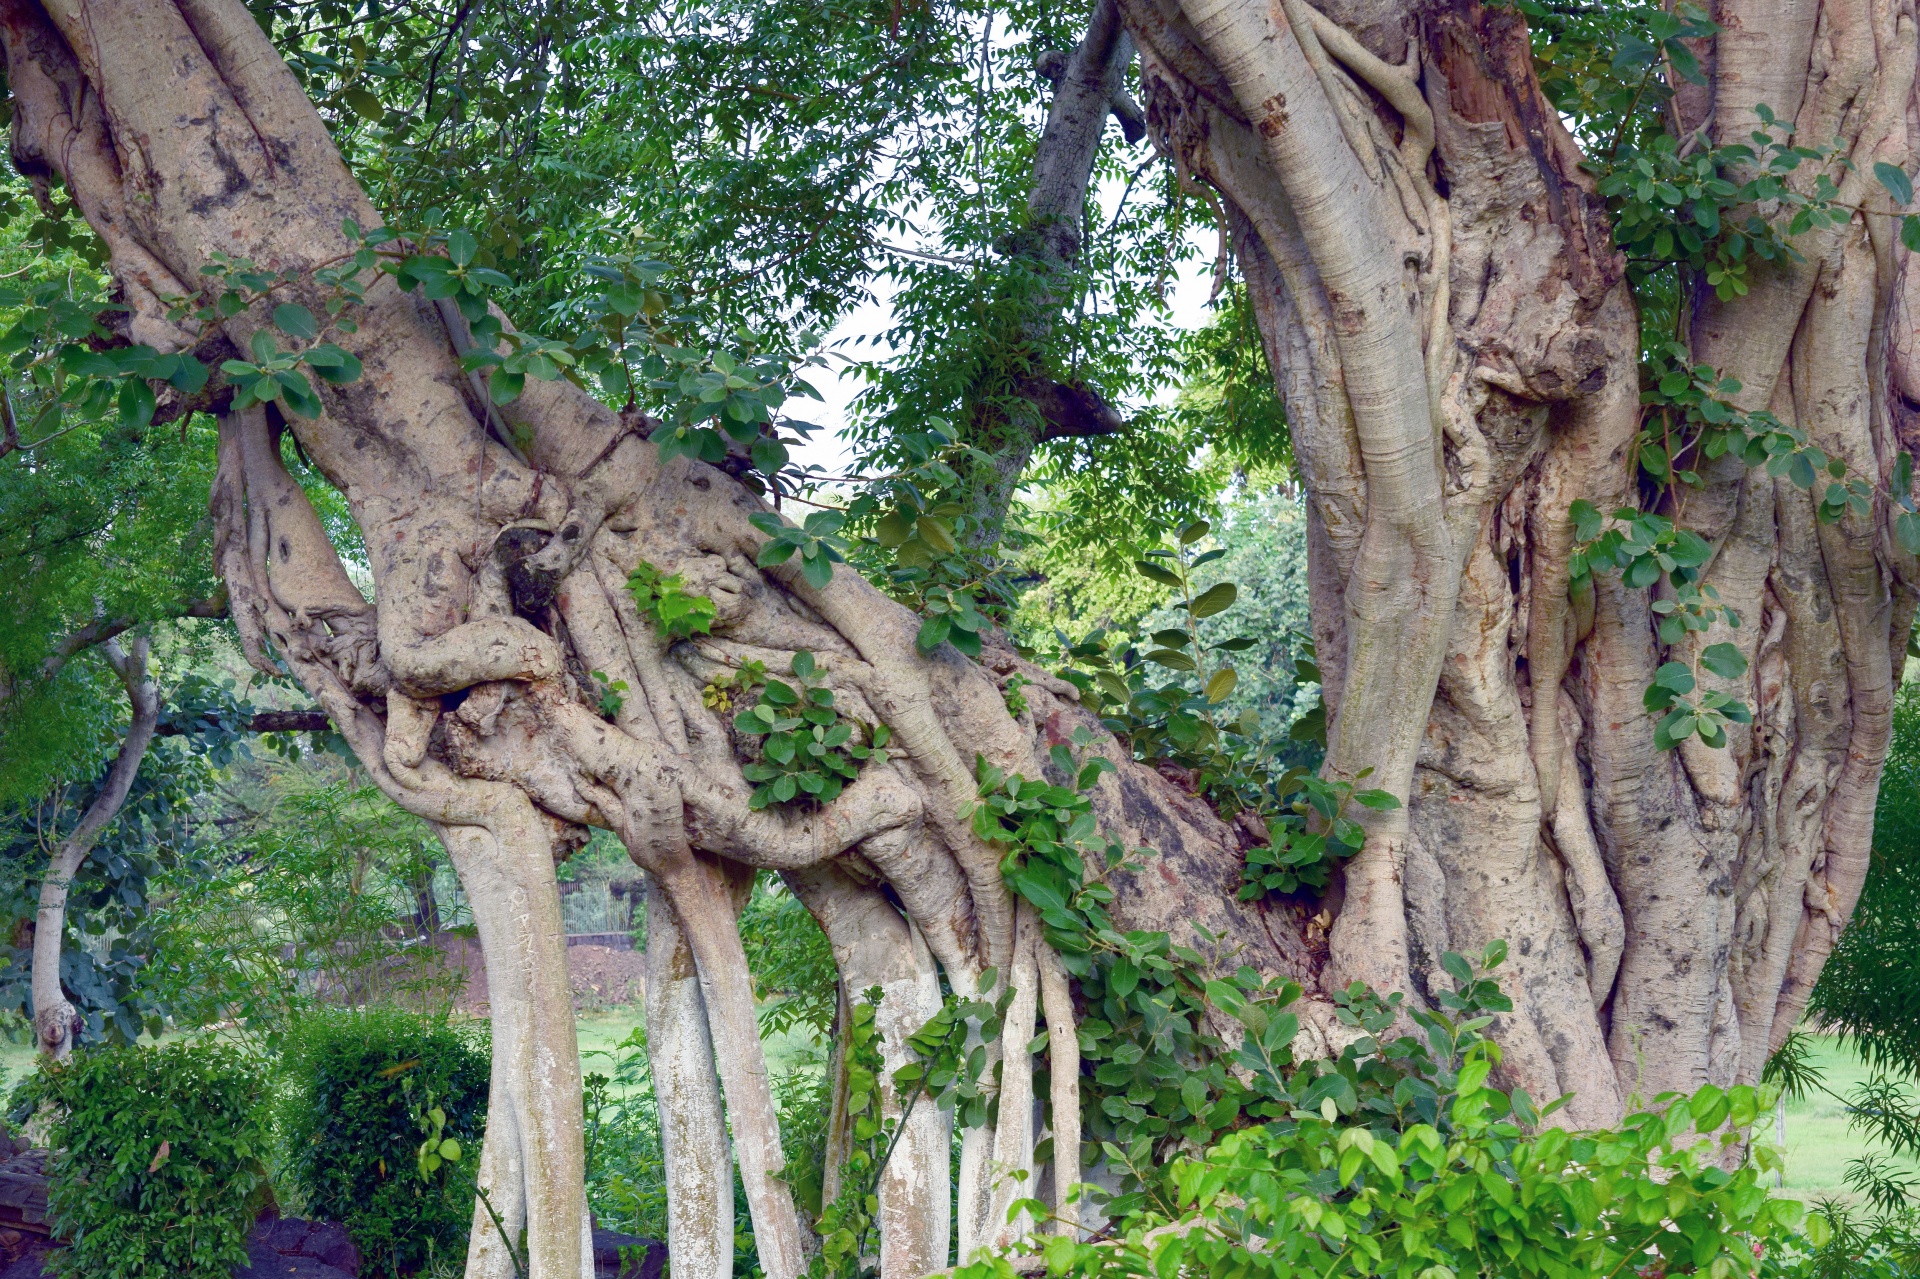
(308, 721)
(1071, 410)
(53, 1015)
(102, 629)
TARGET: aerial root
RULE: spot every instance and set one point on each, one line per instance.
(1063, 1052)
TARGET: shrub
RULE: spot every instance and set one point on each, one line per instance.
(158, 1165)
(361, 1091)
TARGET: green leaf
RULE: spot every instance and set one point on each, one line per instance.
(1724, 660)
(296, 321)
(136, 402)
(1906, 530)
(461, 247)
(1171, 659)
(1895, 180)
(933, 633)
(504, 387)
(334, 364)
(1153, 572)
(935, 533)
(1216, 599)
(364, 104)
(1220, 684)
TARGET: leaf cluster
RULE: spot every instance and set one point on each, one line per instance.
(808, 751)
(676, 613)
(849, 1226)
(1157, 1074)
(361, 1135)
(1481, 1193)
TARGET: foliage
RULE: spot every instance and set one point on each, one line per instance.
(817, 541)
(1870, 988)
(795, 981)
(626, 1182)
(311, 902)
(915, 541)
(1693, 215)
(156, 837)
(1238, 763)
(849, 1225)
(808, 750)
(1393, 1158)
(664, 598)
(1482, 1192)
(158, 1165)
(367, 1092)
(1879, 1233)
(1159, 1074)
(1264, 535)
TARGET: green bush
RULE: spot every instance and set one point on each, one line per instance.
(361, 1089)
(158, 1166)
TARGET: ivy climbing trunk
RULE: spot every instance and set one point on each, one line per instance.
(500, 544)
(1453, 334)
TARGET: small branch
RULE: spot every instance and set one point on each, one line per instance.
(102, 629)
(309, 721)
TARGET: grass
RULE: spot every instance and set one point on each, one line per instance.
(601, 1032)
(1819, 1140)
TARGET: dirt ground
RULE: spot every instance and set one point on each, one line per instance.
(601, 976)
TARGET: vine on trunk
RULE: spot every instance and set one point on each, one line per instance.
(1686, 211)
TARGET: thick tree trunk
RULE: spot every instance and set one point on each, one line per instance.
(53, 1015)
(1457, 349)
(183, 135)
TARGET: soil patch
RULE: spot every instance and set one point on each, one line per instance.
(600, 976)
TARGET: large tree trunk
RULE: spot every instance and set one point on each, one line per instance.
(1457, 350)
(464, 688)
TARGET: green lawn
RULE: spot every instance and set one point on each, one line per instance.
(602, 1031)
(1819, 1140)
(16, 1060)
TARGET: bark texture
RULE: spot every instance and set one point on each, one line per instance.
(464, 690)
(1437, 288)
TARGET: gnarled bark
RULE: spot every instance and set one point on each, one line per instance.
(1412, 218)
(463, 686)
